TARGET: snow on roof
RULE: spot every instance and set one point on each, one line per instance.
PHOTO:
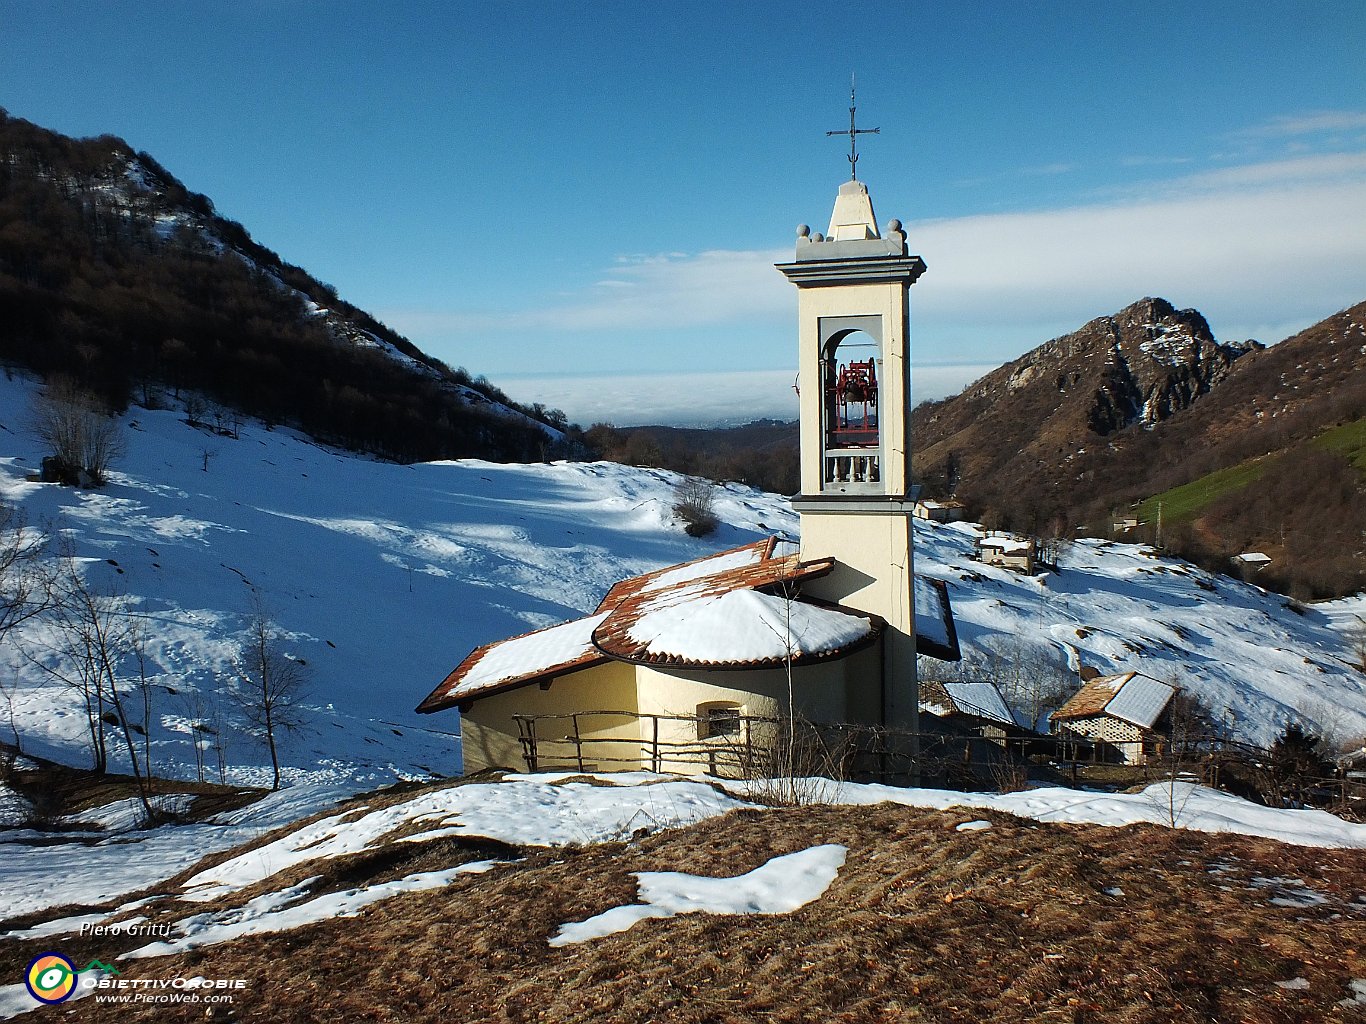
(1006, 545)
(981, 699)
(709, 613)
(575, 644)
(744, 627)
(759, 555)
(689, 623)
(935, 633)
(690, 571)
(1141, 700)
(520, 658)
(1131, 697)
(1252, 558)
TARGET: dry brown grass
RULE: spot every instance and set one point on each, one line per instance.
(924, 923)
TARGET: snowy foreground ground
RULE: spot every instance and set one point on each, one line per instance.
(385, 576)
(525, 810)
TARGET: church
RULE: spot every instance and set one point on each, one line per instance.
(684, 668)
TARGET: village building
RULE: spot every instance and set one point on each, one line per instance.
(1008, 552)
(691, 667)
(1120, 716)
(948, 511)
(977, 706)
(966, 732)
(1123, 524)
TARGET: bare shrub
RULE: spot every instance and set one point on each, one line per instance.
(82, 437)
(695, 504)
(796, 762)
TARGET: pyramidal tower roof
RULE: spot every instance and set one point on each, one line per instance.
(853, 217)
(854, 233)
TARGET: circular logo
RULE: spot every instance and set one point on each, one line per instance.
(51, 978)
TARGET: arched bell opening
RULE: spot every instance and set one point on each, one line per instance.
(851, 365)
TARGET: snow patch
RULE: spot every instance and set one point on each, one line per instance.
(780, 886)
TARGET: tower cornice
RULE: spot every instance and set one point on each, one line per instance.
(854, 268)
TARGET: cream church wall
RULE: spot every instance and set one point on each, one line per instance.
(819, 691)
(488, 734)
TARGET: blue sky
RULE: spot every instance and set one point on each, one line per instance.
(529, 189)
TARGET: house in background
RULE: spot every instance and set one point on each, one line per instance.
(1123, 524)
(948, 511)
(1123, 716)
(1008, 552)
(684, 668)
(1251, 562)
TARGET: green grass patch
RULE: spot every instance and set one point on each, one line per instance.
(1348, 440)
(1191, 499)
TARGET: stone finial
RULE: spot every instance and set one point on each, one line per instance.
(896, 234)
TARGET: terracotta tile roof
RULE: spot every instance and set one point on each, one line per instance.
(1091, 699)
(543, 653)
(747, 555)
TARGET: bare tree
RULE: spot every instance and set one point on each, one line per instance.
(273, 681)
(25, 589)
(195, 406)
(82, 437)
(94, 630)
(138, 638)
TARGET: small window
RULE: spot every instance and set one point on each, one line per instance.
(719, 720)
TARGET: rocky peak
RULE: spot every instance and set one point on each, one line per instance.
(1162, 359)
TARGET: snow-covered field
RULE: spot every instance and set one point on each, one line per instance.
(385, 576)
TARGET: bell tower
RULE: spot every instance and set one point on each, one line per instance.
(854, 346)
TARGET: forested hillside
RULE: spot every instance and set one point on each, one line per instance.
(1107, 423)
(114, 273)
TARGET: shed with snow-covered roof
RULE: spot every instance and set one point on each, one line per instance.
(1121, 715)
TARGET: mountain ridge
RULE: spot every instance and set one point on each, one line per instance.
(1068, 435)
(113, 272)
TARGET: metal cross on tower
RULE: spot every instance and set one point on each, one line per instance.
(853, 133)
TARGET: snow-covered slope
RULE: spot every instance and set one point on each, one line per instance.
(1256, 659)
(385, 576)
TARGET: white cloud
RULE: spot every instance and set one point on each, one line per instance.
(641, 293)
(1274, 254)
(1274, 243)
(1316, 123)
(693, 399)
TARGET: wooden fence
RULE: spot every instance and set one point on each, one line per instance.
(964, 758)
